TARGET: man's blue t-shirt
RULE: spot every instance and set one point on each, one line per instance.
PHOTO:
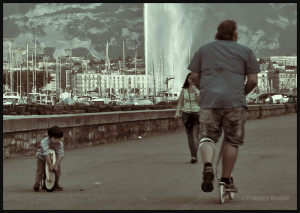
(223, 66)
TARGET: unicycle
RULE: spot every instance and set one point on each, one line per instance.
(49, 180)
(221, 187)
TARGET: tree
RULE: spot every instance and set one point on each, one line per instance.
(91, 62)
(128, 59)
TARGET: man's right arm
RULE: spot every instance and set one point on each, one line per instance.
(251, 83)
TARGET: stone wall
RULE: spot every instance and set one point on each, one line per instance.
(21, 136)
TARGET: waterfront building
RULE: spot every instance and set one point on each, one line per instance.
(284, 60)
(263, 83)
(114, 83)
(283, 81)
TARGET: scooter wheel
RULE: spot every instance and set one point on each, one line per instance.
(231, 195)
(221, 193)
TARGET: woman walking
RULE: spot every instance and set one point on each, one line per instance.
(188, 102)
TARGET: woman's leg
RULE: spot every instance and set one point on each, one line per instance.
(190, 135)
(195, 140)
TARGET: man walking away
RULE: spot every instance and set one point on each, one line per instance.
(220, 70)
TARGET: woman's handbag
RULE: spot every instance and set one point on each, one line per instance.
(190, 119)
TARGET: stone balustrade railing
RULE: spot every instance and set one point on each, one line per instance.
(22, 134)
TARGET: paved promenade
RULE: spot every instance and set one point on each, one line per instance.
(154, 173)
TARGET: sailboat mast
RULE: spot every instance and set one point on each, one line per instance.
(35, 66)
(123, 57)
(32, 64)
(59, 75)
(135, 76)
(12, 72)
(163, 67)
(108, 69)
(21, 80)
(10, 62)
(44, 76)
(154, 88)
(7, 70)
(27, 74)
(17, 78)
(160, 76)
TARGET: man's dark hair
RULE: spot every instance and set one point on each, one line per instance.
(226, 30)
(55, 132)
(186, 82)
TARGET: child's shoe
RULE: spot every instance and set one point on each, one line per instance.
(59, 188)
(36, 187)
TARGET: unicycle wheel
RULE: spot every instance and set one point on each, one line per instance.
(221, 193)
(51, 181)
(50, 178)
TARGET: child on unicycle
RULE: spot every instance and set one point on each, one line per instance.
(43, 156)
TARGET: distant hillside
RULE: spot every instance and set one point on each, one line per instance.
(83, 27)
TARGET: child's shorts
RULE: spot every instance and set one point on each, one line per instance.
(41, 167)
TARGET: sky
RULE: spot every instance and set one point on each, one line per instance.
(269, 29)
(176, 31)
(172, 31)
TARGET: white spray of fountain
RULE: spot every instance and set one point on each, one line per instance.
(168, 37)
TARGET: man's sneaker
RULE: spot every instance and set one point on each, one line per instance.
(59, 188)
(208, 178)
(36, 187)
(230, 187)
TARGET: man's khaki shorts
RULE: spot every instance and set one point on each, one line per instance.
(232, 121)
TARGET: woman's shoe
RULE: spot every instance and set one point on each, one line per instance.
(193, 160)
(36, 187)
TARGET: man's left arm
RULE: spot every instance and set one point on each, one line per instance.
(252, 69)
(251, 83)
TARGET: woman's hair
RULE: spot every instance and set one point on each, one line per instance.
(55, 132)
(186, 82)
(226, 30)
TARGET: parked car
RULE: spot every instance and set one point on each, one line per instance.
(278, 99)
(86, 100)
(68, 101)
(128, 103)
(10, 98)
(115, 102)
(98, 101)
(10, 101)
(145, 102)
